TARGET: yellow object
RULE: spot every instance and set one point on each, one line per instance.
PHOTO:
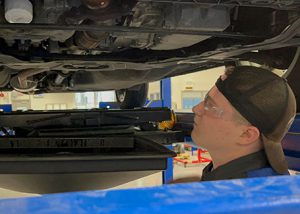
(169, 124)
(183, 156)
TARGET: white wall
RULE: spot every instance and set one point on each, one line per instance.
(195, 82)
(199, 81)
(154, 88)
(35, 102)
(56, 100)
(5, 99)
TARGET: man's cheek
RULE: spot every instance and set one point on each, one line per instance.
(196, 137)
(197, 132)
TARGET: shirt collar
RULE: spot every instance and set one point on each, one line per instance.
(237, 168)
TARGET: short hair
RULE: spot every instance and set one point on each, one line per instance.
(238, 118)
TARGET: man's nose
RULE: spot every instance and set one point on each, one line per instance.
(198, 109)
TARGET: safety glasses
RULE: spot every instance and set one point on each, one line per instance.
(211, 109)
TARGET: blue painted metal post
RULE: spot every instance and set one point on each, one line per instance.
(165, 92)
(168, 173)
(165, 89)
(6, 107)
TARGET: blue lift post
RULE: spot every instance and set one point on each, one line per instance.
(166, 100)
(279, 194)
(165, 89)
(6, 107)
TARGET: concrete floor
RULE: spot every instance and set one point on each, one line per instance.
(5, 193)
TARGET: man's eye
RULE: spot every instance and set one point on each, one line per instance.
(209, 104)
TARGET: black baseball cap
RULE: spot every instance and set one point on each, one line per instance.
(267, 102)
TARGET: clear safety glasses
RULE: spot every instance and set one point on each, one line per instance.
(211, 109)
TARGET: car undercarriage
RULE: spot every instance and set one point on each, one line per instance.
(92, 45)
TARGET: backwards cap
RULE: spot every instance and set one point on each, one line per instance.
(267, 102)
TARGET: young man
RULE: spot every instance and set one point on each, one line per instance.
(241, 123)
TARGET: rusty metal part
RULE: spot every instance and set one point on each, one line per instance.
(30, 85)
(23, 75)
(89, 40)
(93, 11)
(96, 4)
(22, 81)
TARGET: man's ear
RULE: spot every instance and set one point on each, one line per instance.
(249, 135)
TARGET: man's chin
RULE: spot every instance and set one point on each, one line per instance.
(196, 140)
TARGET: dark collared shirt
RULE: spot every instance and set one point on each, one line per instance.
(252, 165)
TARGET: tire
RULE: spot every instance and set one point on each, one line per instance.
(132, 97)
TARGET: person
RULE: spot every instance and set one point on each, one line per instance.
(241, 123)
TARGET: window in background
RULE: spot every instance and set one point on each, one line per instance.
(87, 100)
(56, 106)
(191, 98)
(187, 88)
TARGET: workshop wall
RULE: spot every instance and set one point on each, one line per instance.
(187, 89)
(4, 98)
(193, 86)
(53, 101)
(21, 101)
(154, 91)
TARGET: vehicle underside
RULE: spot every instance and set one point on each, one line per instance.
(89, 45)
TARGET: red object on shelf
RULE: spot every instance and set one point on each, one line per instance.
(1, 94)
(200, 158)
